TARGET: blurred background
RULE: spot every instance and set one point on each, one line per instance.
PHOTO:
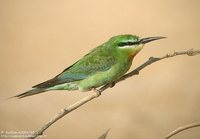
(39, 39)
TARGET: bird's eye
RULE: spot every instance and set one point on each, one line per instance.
(122, 44)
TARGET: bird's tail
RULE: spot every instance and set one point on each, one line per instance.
(31, 92)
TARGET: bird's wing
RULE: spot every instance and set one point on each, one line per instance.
(98, 60)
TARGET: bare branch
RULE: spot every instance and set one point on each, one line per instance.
(63, 112)
(104, 135)
(180, 129)
(98, 92)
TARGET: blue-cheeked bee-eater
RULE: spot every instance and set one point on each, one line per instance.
(104, 64)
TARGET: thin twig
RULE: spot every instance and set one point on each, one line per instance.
(63, 112)
(104, 135)
(180, 129)
(98, 92)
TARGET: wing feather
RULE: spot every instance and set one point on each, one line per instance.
(98, 60)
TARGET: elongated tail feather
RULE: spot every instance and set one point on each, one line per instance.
(31, 92)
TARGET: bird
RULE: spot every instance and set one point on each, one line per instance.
(102, 65)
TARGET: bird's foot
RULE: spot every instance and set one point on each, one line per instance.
(97, 91)
(112, 84)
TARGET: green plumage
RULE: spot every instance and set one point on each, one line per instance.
(103, 65)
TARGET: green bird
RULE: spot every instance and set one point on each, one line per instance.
(104, 64)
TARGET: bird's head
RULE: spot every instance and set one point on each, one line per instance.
(130, 44)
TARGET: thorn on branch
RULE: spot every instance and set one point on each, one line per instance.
(151, 58)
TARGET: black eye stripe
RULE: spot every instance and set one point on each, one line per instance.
(121, 44)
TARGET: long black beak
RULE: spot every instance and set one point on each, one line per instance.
(149, 39)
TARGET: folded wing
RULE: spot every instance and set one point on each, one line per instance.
(98, 60)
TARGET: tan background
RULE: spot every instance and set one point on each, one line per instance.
(39, 38)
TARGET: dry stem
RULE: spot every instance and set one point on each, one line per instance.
(98, 92)
(180, 129)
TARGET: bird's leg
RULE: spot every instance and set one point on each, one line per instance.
(112, 84)
(97, 91)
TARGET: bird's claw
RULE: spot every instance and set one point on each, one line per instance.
(96, 91)
(112, 84)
